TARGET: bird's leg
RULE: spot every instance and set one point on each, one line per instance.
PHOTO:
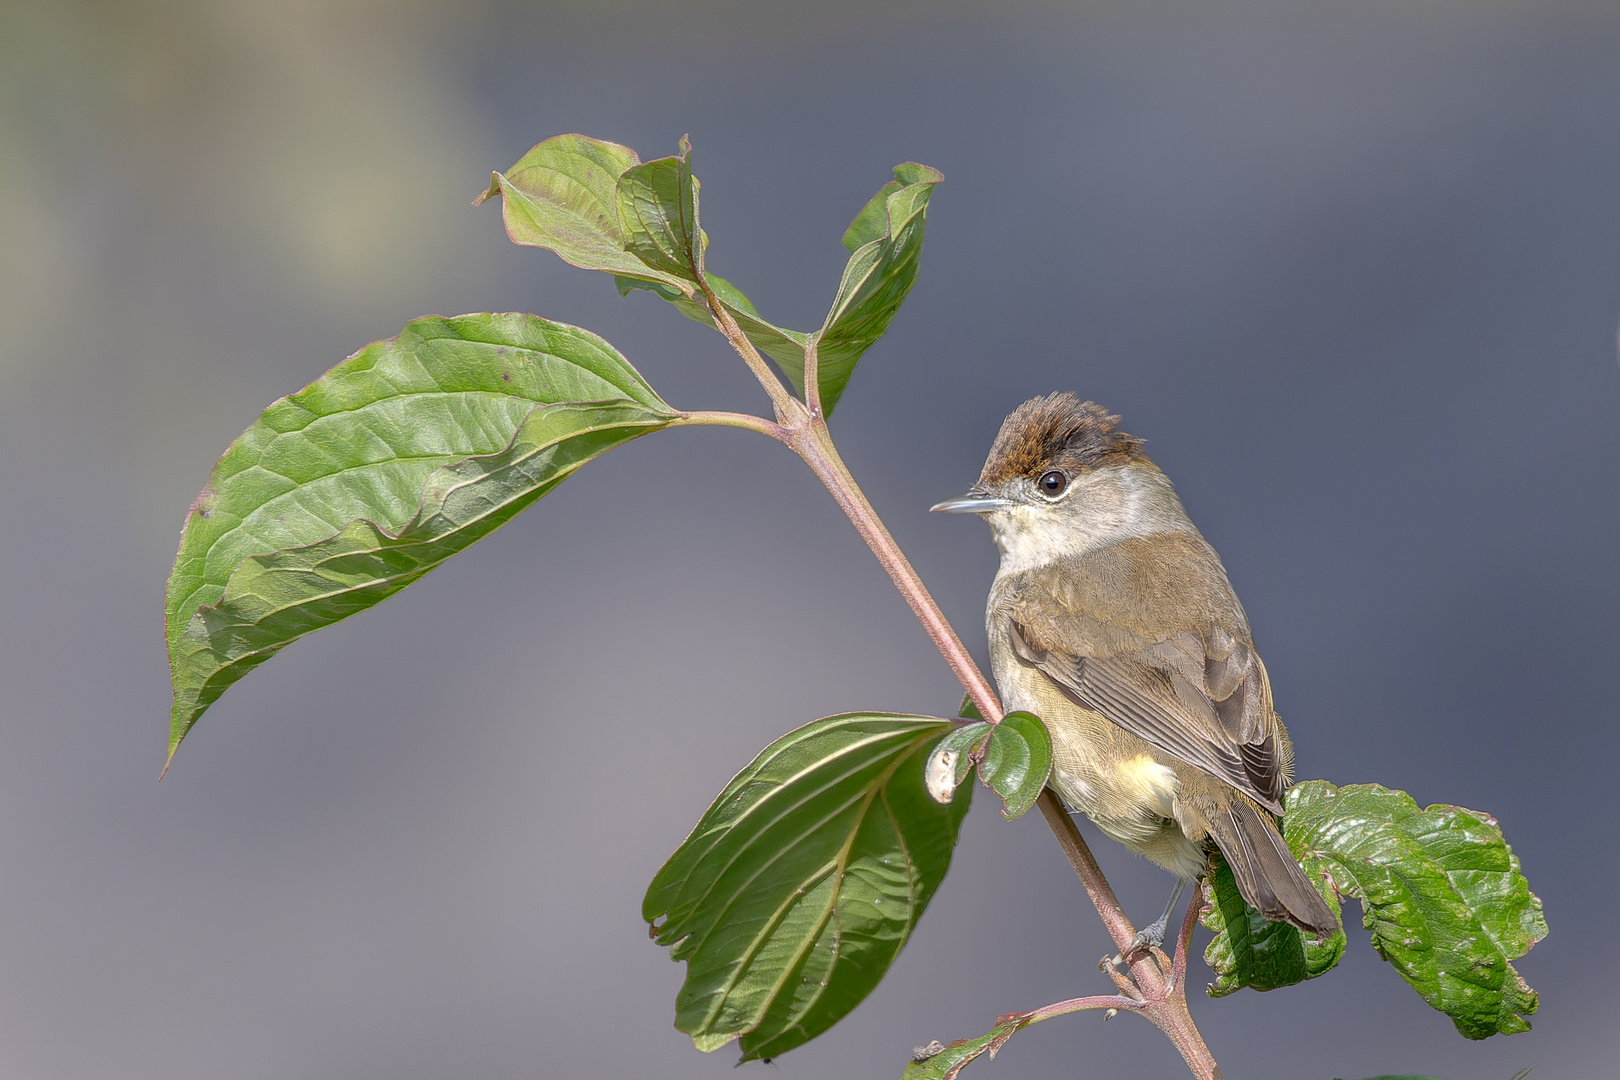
(1151, 936)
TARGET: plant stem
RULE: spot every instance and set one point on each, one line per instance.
(745, 421)
(814, 444)
(788, 408)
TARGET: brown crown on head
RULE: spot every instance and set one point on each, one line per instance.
(1058, 431)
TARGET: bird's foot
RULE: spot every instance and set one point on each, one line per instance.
(1150, 936)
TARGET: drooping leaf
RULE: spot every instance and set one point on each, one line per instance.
(949, 1061)
(1440, 890)
(1017, 760)
(658, 216)
(879, 274)
(1249, 950)
(797, 888)
(399, 457)
(563, 195)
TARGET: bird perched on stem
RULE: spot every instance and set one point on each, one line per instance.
(1111, 619)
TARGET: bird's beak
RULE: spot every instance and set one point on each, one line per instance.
(974, 502)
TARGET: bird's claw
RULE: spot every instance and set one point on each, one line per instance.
(1150, 936)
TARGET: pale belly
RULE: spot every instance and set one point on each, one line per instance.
(1125, 785)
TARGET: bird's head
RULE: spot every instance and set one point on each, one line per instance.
(1061, 478)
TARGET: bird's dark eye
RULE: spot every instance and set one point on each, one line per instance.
(1053, 483)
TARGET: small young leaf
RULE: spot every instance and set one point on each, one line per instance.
(658, 217)
(1017, 760)
(880, 272)
(354, 487)
(1248, 950)
(563, 195)
(1440, 890)
(948, 1062)
(797, 888)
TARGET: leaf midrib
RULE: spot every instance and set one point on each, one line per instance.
(841, 863)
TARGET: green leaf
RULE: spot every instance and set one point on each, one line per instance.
(1440, 890)
(1249, 950)
(597, 206)
(1016, 762)
(797, 888)
(880, 273)
(658, 217)
(401, 456)
(873, 220)
(563, 195)
(949, 1061)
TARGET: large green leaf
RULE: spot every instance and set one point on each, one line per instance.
(1250, 950)
(797, 888)
(886, 243)
(396, 459)
(1440, 890)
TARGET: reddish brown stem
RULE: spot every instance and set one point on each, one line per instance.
(1080, 1004)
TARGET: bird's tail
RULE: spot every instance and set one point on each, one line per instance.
(1267, 875)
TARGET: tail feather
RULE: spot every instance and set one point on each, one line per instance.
(1265, 870)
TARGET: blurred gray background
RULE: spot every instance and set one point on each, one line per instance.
(1352, 268)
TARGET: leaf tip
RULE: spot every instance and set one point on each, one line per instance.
(709, 1042)
(912, 172)
(490, 192)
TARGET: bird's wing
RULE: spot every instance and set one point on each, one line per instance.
(1201, 696)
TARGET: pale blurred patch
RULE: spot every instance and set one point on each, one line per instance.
(305, 138)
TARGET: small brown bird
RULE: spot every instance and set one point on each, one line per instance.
(1112, 620)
